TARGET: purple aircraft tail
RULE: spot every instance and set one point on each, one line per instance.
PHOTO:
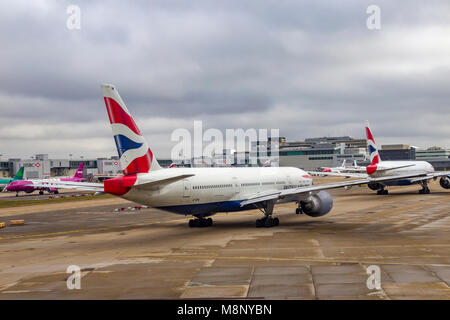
(79, 172)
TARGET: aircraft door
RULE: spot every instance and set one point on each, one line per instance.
(186, 188)
(288, 180)
(236, 185)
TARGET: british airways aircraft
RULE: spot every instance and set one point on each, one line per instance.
(413, 172)
(202, 192)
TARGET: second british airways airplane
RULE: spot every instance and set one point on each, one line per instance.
(412, 172)
(202, 192)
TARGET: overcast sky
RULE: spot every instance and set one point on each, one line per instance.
(309, 68)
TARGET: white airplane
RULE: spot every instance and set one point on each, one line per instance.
(356, 168)
(343, 168)
(414, 172)
(335, 169)
(202, 192)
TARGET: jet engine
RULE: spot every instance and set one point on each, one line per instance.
(374, 186)
(445, 182)
(317, 205)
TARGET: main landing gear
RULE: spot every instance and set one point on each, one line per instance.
(268, 221)
(41, 192)
(382, 191)
(425, 189)
(200, 222)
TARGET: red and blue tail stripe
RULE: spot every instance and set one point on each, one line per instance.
(134, 153)
(373, 151)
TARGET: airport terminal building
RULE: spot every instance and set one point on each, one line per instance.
(310, 154)
(438, 157)
(314, 153)
(40, 166)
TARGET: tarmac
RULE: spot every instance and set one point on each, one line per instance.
(150, 254)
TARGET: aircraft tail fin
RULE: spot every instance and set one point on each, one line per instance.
(79, 172)
(19, 174)
(134, 152)
(373, 150)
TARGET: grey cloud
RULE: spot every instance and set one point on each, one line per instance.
(306, 67)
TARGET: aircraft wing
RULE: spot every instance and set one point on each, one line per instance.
(297, 192)
(262, 196)
(432, 175)
(84, 186)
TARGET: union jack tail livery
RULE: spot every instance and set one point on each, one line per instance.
(373, 151)
(134, 153)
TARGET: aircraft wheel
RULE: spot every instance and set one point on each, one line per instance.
(192, 223)
(271, 222)
(261, 222)
(425, 190)
(200, 223)
(385, 192)
(41, 192)
(276, 222)
(298, 211)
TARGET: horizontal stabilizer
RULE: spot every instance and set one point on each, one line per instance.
(398, 167)
(338, 174)
(149, 184)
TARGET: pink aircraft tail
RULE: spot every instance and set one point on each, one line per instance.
(79, 172)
